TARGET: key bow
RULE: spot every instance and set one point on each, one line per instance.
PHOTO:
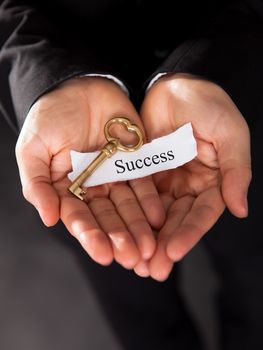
(130, 128)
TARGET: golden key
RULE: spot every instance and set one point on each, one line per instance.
(108, 150)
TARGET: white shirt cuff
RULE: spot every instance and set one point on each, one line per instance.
(154, 80)
(111, 77)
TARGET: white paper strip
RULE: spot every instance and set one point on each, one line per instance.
(166, 152)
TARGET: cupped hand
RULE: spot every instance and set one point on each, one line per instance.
(114, 222)
(196, 194)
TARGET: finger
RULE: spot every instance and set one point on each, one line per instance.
(167, 200)
(206, 210)
(153, 109)
(236, 177)
(129, 209)
(161, 265)
(149, 200)
(235, 165)
(142, 268)
(125, 250)
(36, 184)
(80, 222)
(235, 186)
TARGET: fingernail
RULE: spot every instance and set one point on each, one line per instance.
(245, 206)
(142, 269)
(42, 217)
(174, 254)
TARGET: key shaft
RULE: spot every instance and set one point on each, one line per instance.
(108, 150)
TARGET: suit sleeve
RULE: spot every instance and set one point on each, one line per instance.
(229, 53)
(40, 47)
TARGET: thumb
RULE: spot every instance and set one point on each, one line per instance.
(36, 183)
(155, 113)
(235, 164)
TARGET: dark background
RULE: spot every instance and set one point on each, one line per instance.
(46, 299)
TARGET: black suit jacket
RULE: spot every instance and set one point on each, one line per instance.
(45, 42)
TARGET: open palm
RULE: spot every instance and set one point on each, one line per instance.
(195, 194)
(114, 221)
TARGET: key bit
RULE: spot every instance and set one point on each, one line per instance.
(108, 150)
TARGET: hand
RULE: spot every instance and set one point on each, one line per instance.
(195, 194)
(113, 222)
